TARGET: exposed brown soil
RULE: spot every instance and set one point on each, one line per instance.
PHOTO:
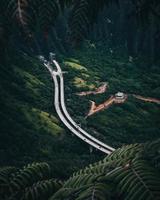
(147, 99)
(98, 90)
(112, 100)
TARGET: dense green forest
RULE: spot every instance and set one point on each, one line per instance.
(111, 41)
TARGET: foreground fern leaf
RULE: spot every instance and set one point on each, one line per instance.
(41, 190)
(30, 183)
(129, 173)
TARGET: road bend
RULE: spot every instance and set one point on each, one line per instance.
(86, 138)
(62, 99)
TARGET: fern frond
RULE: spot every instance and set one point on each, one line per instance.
(83, 16)
(29, 175)
(139, 181)
(130, 173)
(65, 3)
(79, 20)
(46, 14)
(41, 190)
(117, 158)
(152, 153)
(100, 191)
(33, 182)
(18, 10)
(5, 175)
(125, 174)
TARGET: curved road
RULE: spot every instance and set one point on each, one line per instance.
(67, 114)
(77, 130)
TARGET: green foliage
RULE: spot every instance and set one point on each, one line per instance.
(125, 174)
(29, 127)
(46, 13)
(30, 183)
(18, 11)
(129, 173)
(33, 16)
(39, 16)
(133, 121)
(83, 16)
(25, 113)
(146, 8)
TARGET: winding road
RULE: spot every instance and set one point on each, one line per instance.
(59, 103)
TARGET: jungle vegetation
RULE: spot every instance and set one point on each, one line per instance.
(113, 41)
(131, 172)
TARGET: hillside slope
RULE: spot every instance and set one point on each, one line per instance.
(133, 121)
(31, 130)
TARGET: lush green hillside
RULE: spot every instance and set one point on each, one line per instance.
(111, 41)
(133, 121)
(31, 130)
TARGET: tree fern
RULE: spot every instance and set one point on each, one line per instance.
(83, 15)
(130, 173)
(5, 174)
(99, 191)
(46, 14)
(137, 181)
(38, 16)
(24, 177)
(41, 190)
(126, 174)
(19, 13)
(79, 20)
(18, 8)
(32, 182)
